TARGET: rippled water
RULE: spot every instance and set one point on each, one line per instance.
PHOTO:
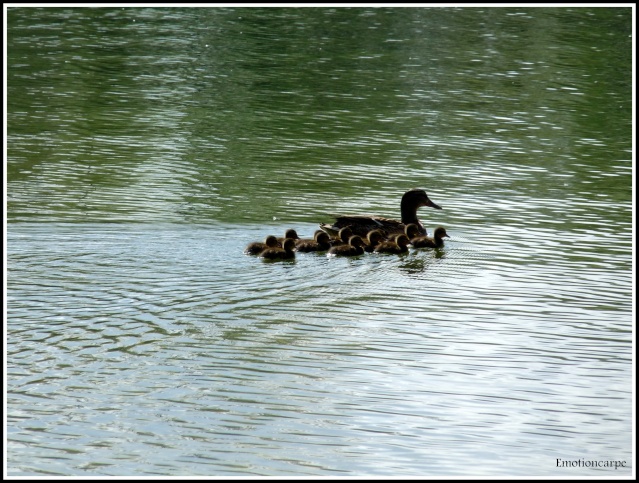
(141, 161)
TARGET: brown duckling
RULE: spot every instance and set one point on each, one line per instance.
(343, 236)
(373, 239)
(413, 231)
(362, 224)
(284, 253)
(256, 248)
(300, 240)
(400, 245)
(427, 242)
(319, 244)
(355, 247)
(290, 233)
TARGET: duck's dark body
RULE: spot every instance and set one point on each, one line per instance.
(362, 224)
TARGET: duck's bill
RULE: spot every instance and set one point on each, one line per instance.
(432, 204)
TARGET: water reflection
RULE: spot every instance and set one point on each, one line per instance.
(420, 260)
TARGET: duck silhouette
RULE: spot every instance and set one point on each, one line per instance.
(360, 225)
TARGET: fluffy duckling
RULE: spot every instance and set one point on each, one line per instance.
(373, 239)
(290, 233)
(319, 244)
(300, 240)
(413, 231)
(427, 242)
(400, 245)
(343, 236)
(355, 247)
(284, 253)
(256, 248)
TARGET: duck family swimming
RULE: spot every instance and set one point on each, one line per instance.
(362, 224)
(354, 235)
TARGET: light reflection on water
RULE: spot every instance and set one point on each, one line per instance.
(140, 338)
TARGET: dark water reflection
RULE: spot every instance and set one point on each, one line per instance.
(148, 146)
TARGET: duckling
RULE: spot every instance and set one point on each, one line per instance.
(427, 242)
(319, 244)
(286, 252)
(413, 231)
(373, 239)
(290, 233)
(302, 240)
(343, 236)
(400, 245)
(354, 248)
(256, 248)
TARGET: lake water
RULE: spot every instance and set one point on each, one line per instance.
(148, 146)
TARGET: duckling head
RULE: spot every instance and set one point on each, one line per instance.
(356, 241)
(271, 241)
(288, 244)
(345, 233)
(412, 230)
(290, 233)
(322, 237)
(402, 240)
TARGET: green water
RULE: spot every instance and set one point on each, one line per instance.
(196, 114)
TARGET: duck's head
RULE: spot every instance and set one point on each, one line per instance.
(322, 237)
(402, 240)
(356, 241)
(288, 244)
(418, 197)
(271, 241)
(345, 233)
(290, 233)
(440, 232)
(412, 230)
(374, 237)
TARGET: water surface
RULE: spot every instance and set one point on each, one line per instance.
(147, 146)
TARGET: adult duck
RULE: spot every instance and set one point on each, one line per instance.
(355, 247)
(435, 242)
(400, 245)
(320, 243)
(362, 224)
(284, 253)
(255, 248)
